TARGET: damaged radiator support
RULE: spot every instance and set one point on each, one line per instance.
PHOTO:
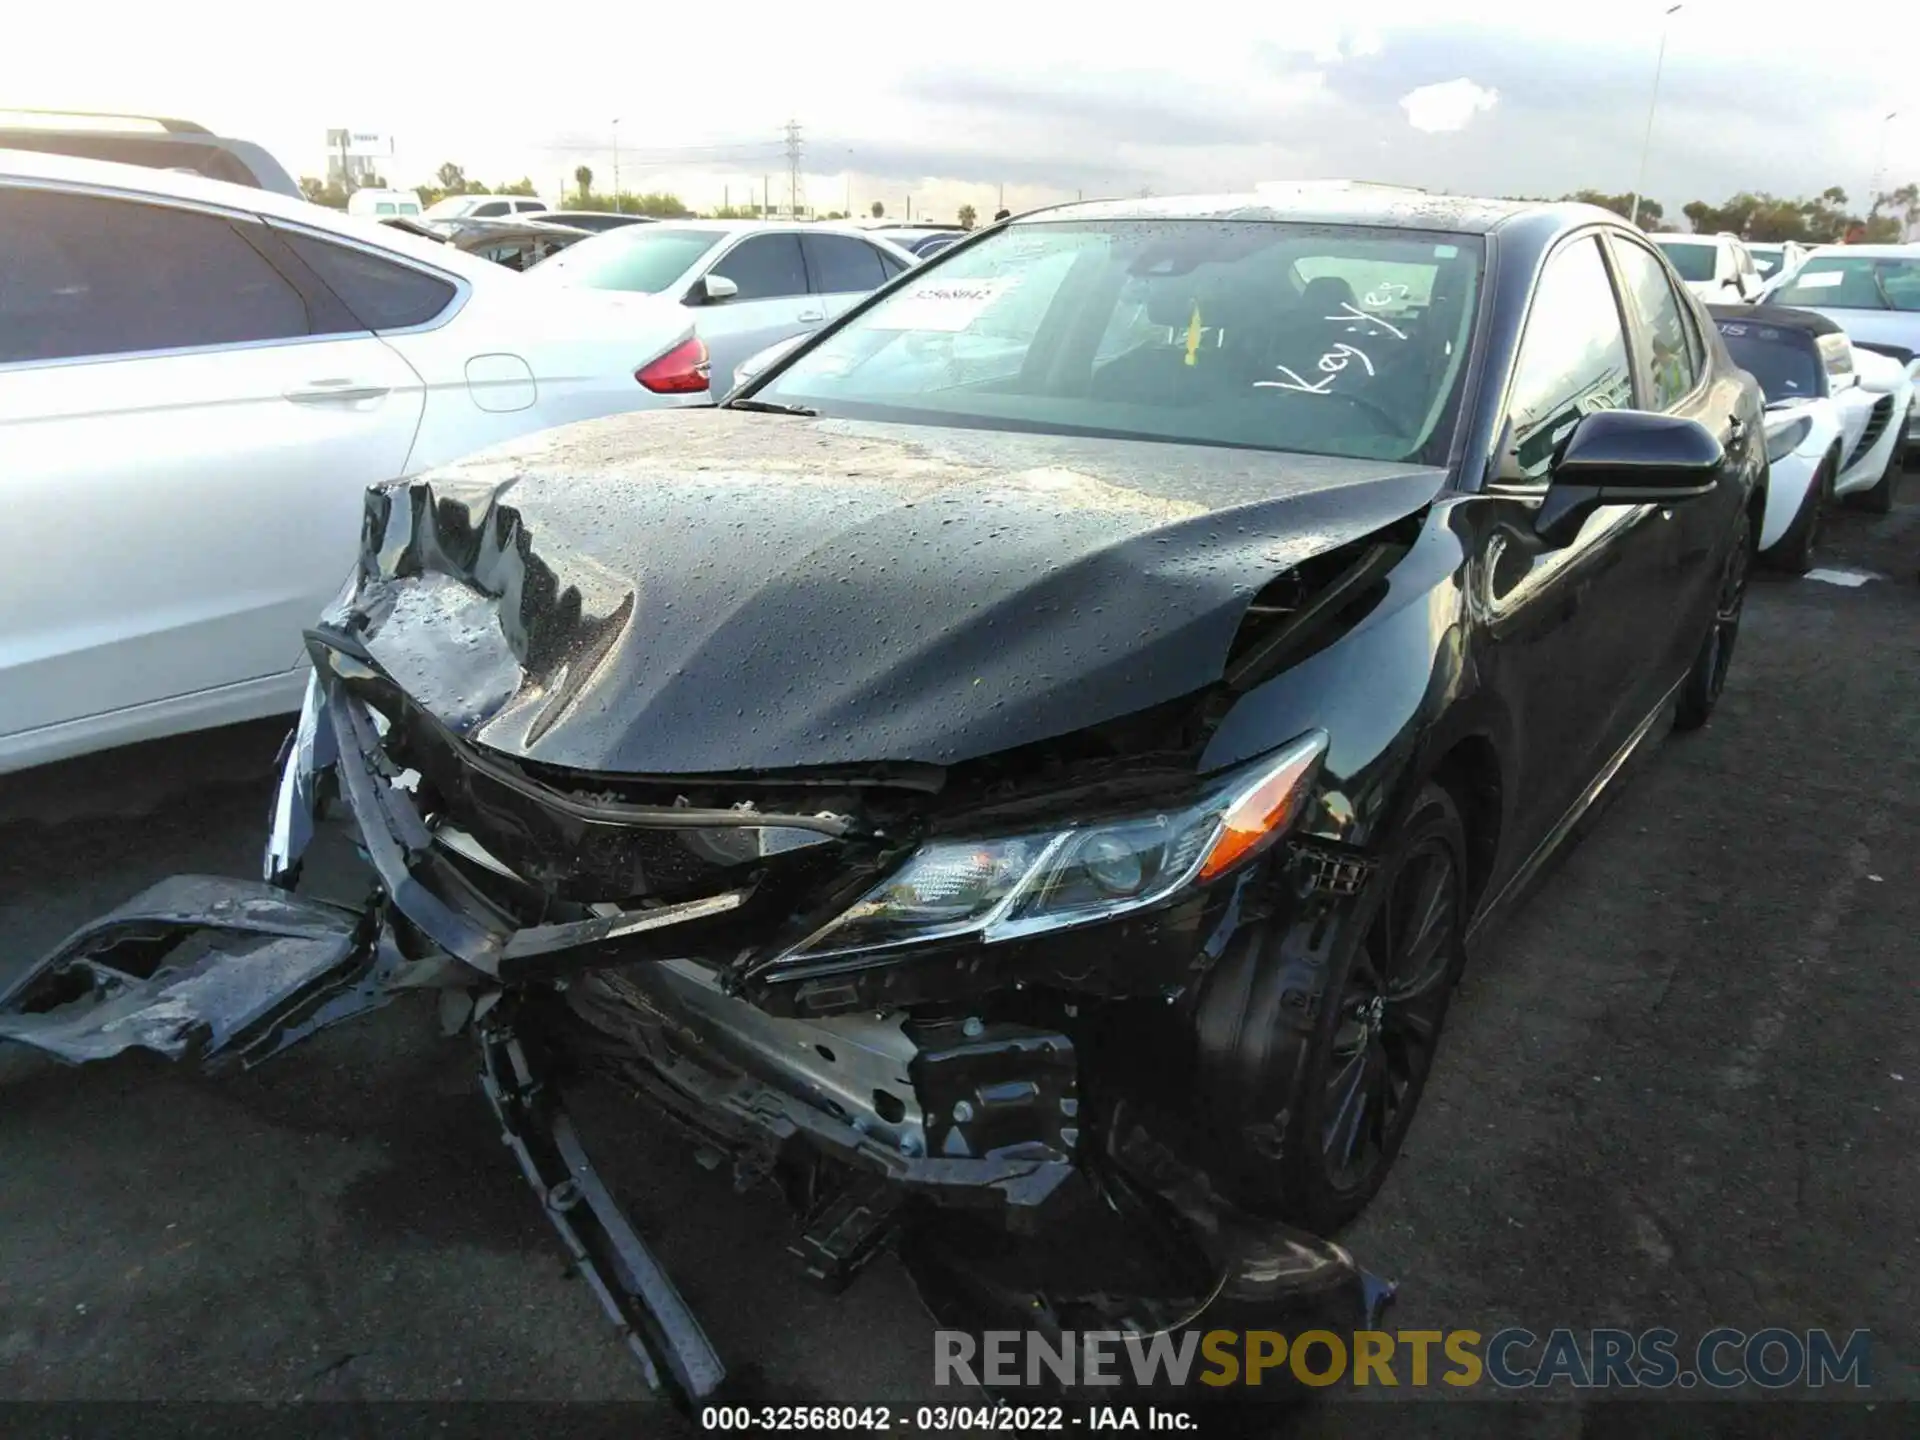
(630, 1283)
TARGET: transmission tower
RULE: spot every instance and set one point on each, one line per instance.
(793, 169)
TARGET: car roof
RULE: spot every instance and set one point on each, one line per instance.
(1330, 204)
(138, 181)
(750, 227)
(1780, 317)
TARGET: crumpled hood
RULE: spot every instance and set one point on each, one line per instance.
(714, 591)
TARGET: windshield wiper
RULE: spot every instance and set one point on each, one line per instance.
(771, 407)
(1880, 289)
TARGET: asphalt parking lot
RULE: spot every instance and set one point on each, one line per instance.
(1682, 1089)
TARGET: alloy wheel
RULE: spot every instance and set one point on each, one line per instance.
(1726, 617)
(1389, 1014)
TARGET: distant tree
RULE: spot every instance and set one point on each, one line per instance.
(967, 216)
(453, 179)
(879, 210)
(583, 177)
(522, 186)
(1621, 205)
(323, 192)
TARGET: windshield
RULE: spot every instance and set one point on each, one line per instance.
(1783, 361)
(1693, 260)
(645, 258)
(1335, 340)
(453, 207)
(1853, 282)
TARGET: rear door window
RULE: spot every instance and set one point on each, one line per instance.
(840, 264)
(1665, 340)
(84, 275)
(765, 267)
(382, 294)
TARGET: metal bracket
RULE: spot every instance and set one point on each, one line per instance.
(1333, 874)
(632, 1286)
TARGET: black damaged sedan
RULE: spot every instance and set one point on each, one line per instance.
(1033, 763)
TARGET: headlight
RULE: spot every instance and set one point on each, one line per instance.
(1005, 887)
(1785, 440)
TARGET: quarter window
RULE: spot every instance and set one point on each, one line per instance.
(1666, 354)
(89, 275)
(1572, 361)
(765, 267)
(382, 294)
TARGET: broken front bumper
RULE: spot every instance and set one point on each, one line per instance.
(965, 1120)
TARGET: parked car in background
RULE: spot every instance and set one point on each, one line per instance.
(150, 141)
(1828, 434)
(1873, 293)
(382, 203)
(1716, 268)
(1775, 261)
(748, 283)
(482, 207)
(516, 244)
(597, 220)
(924, 241)
(197, 381)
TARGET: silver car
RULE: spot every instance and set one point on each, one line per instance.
(750, 283)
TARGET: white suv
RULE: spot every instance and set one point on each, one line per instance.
(198, 381)
(1717, 268)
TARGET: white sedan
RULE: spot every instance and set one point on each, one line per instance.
(1835, 421)
(746, 283)
(198, 381)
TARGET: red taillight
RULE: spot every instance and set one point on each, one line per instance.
(680, 371)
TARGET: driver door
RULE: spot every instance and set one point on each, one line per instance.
(773, 299)
(1568, 623)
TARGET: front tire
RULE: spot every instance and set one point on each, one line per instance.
(1320, 1102)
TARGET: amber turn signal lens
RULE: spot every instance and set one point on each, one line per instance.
(1267, 810)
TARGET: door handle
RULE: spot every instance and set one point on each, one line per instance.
(809, 316)
(335, 392)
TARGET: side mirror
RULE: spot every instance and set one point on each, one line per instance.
(712, 289)
(757, 362)
(1626, 457)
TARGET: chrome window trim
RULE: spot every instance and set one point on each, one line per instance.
(172, 202)
(463, 289)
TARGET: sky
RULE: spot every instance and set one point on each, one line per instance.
(1032, 102)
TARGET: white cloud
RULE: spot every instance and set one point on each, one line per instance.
(1448, 105)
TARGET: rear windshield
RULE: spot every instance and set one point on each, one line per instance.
(1693, 260)
(1330, 339)
(1785, 362)
(643, 258)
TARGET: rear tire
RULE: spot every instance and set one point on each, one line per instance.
(1793, 552)
(1879, 499)
(1700, 691)
(1316, 1099)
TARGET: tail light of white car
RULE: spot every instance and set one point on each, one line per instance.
(683, 370)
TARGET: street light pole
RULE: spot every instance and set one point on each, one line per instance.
(616, 162)
(1880, 164)
(849, 184)
(1646, 142)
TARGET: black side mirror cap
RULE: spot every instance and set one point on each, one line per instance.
(1626, 457)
